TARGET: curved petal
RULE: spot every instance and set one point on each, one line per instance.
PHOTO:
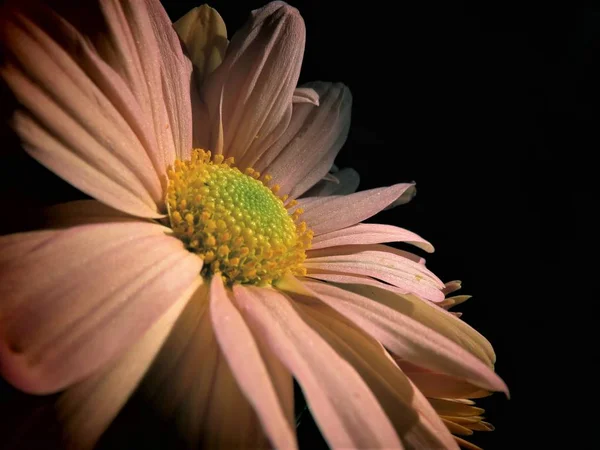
(257, 80)
(107, 132)
(325, 214)
(347, 412)
(189, 397)
(415, 421)
(144, 49)
(381, 262)
(406, 337)
(306, 95)
(364, 233)
(305, 152)
(348, 180)
(439, 385)
(87, 408)
(204, 34)
(248, 368)
(432, 316)
(455, 408)
(72, 299)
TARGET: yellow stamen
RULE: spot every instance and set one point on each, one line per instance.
(234, 221)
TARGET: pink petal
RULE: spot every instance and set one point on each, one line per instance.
(432, 316)
(325, 214)
(305, 152)
(146, 52)
(406, 337)
(347, 183)
(75, 298)
(364, 233)
(417, 424)
(81, 212)
(345, 409)
(79, 117)
(248, 367)
(257, 78)
(87, 408)
(306, 95)
(378, 261)
(406, 197)
(437, 385)
(191, 387)
(338, 277)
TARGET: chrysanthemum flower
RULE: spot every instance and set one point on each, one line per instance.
(219, 259)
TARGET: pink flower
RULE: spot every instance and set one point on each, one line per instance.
(191, 276)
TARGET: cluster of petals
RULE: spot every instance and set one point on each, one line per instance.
(104, 303)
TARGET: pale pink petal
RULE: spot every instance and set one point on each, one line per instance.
(339, 277)
(72, 299)
(406, 197)
(378, 261)
(325, 214)
(364, 233)
(348, 180)
(415, 421)
(67, 121)
(257, 78)
(432, 316)
(406, 337)
(439, 385)
(79, 117)
(144, 49)
(306, 95)
(345, 409)
(191, 387)
(305, 152)
(87, 408)
(248, 367)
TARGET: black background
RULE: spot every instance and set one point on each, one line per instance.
(484, 107)
(487, 109)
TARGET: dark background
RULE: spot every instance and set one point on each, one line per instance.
(487, 107)
(484, 106)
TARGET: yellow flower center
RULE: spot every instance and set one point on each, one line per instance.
(234, 221)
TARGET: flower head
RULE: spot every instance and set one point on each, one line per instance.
(220, 259)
